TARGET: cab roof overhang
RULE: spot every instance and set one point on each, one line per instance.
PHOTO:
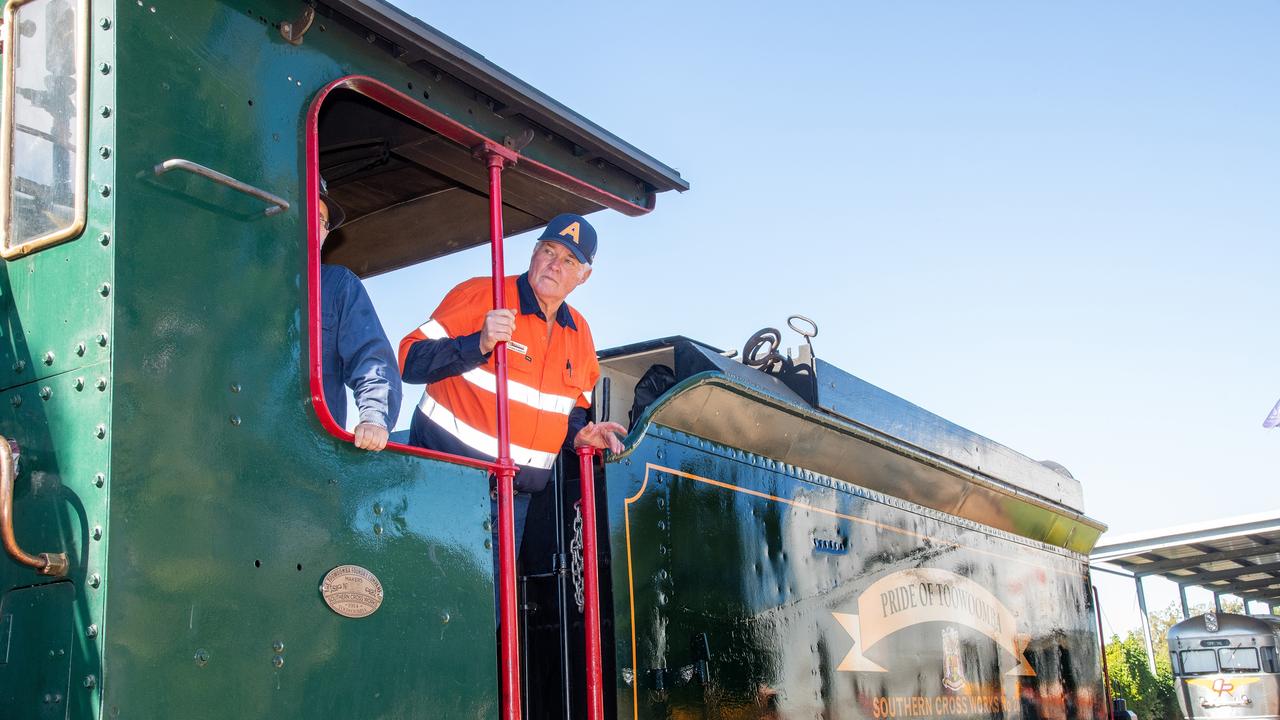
(416, 42)
(411, 194)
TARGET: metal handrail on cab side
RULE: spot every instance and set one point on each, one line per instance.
(278, 204)
(591, 583)
(496, 158)
(53, 564)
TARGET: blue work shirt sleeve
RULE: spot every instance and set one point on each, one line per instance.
(366, 356)
(430, 361)
(577, 421)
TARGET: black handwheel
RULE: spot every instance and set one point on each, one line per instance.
(761, 350)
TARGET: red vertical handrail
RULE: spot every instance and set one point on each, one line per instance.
(509, 639)
(591, 582)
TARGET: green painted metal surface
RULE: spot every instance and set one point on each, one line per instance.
(230, 503)
(56, 309)
(36, 650)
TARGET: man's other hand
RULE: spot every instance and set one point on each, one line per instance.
(498, 326)
(601, 435)
(370, 436)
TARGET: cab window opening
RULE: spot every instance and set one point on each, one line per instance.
(411, 193)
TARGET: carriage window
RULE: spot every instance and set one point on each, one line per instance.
(1173, 663)
(1199, 662)
(1238, 659)
(43, 136)
(1269, 661)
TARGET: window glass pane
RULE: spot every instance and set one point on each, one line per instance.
(44, 156)
(1238, 659)
(1199, 662)
(1269, 663)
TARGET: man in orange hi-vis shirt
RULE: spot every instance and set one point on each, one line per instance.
(551, 364)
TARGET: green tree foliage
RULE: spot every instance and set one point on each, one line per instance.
(1150, 696)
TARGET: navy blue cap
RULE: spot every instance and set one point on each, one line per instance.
(575, 233)
(337, 215)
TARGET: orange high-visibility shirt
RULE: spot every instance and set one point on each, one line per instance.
(546, 379)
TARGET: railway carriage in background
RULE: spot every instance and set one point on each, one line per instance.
(1226, 666)
(189, 534)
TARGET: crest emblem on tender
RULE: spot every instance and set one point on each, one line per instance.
(952, 666)
(571, 230)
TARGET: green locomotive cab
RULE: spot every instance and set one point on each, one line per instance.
(189, 533)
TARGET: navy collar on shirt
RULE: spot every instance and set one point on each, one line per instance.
(529, 304)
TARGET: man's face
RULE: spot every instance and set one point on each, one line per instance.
(554, 272)
(322, 214)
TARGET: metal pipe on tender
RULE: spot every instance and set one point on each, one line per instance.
(591, 583)
(509, 638)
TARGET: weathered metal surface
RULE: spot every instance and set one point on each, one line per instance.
(861, 402)
(742, 408)
(749, 588)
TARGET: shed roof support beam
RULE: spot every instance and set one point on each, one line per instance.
(1264, 595)
(1146, 625)
(1198, 560)
(1246, 585)
(1205, 577)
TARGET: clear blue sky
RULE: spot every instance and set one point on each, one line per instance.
(1053, 223)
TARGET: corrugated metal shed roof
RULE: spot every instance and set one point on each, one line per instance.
(1234, 556)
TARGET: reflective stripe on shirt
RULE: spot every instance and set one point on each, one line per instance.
(480, 441)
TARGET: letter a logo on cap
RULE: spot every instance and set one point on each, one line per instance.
(572, 230)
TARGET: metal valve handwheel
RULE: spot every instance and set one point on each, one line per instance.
(761, 351)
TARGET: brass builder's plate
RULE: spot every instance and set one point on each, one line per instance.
(351, 591)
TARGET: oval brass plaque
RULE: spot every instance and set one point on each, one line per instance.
(351, 591)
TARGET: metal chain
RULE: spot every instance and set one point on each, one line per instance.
(575, 556)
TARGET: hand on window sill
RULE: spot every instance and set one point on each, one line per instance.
(370, 436)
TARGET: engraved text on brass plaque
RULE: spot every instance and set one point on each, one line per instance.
(351, 591)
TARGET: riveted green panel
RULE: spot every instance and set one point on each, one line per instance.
(35, 651)
(56, 343)
(62, 426)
